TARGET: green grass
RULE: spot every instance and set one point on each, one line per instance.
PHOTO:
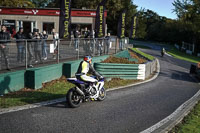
(183, 56)
(116, 82)
(54, 90)
(143, 54)
(28, 96)
(141, 46)
(191, 123)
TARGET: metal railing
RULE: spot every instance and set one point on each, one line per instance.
(23, 54)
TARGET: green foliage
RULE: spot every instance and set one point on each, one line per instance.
(16, 3)
(183, 56)
(190, 124)
(40, 3)
(188, 12)
(114, 8)
(143, 54)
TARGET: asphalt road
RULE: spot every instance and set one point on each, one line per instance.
(131, 109)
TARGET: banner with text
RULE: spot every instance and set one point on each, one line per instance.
(133, 27)
(100, 20)
(65, 19)
(121, 25)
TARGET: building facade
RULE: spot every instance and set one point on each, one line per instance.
(45, 19)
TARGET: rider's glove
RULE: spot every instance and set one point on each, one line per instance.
(101, 77)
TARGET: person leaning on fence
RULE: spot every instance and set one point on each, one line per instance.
(86, 35)
(30, 48)
(37, 45)
(20, 45)
(4, 39)
(76, 38)
(107, 43)
(44, 37)
(55, 42)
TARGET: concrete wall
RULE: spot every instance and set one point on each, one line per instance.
(150, 67)
(12, 81)
(36, 76)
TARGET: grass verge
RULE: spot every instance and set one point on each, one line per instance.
(183, 56)
(191, 123)
(143, 54)
(53, 90)
(141, 46)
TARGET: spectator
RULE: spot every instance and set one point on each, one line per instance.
(86, 46)
(4, 39)
(55, 42)
(86, 33)
(30, 47)
(20, 45)
(44, 45)
(107, 43)
(37, 45)
(76, 38)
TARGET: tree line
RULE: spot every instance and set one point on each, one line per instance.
(150, 26)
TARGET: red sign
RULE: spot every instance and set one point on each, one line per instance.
(46, 12)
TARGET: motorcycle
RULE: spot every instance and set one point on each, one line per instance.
(162, 53)
(78, 94)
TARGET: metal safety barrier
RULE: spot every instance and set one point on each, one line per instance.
(28, 53)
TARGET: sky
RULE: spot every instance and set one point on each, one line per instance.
(161, 7)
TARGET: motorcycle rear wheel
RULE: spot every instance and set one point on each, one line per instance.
(102, 94)
(73, 99)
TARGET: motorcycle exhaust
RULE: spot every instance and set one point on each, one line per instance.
(80, 92)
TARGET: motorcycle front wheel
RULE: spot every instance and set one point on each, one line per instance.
(102, 94)
(73, 98)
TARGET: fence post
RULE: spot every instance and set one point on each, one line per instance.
(1, 61)
(58, 54)
(26, 64)
(78, 47)
(116, 45)
(104, 45)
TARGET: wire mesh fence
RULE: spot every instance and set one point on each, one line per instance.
(28, 53)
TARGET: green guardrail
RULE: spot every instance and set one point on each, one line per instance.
(124, 71)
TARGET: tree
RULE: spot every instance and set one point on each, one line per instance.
(16, 3)
(40, 3)
(188, 12)
(114, 8)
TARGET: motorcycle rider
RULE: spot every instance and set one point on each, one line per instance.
(163, 51)
(84, 68)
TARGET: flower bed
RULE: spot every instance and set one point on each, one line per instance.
(127, 59)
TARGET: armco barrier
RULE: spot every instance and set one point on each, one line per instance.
(124, 71)
(12, 81)
(127, 71)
